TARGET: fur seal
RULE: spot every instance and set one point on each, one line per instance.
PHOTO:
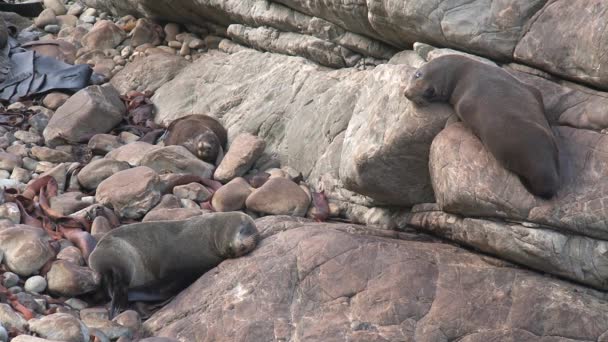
(153, 261)
(505, 114)
(201, 134)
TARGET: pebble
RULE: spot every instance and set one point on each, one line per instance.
(126, 52)
(29, 163)
(10, 279)
(54, 29)
(71, 254)
(4, 174)
(9, 161)
(16, 106)
(88, 19)
(10, 211)
(35, 284)
(29, 137)
(174, 44)
(3, 334)
(39, 121)
(21, 175)
(193, 191)
(54, 100)
(60, 327)
(77, 304)
(10, 319)
(184, 51)
(196, 44)
(76, 9)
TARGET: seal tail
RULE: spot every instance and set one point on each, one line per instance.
(118, 292)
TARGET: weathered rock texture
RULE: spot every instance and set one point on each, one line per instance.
(335, 282)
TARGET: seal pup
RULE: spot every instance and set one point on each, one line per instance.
(505, 114)
(153, 261)
(202, 135)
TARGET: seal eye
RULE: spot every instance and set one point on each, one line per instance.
(417, 74)
(429, 92)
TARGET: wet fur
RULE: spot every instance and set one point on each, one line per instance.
(201, 134)
(505, 114)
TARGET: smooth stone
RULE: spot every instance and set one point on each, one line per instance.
(71, 254)
(35, 284)
(193, 191)
(70, 280)
(77, 304)
(61, 327)
(43, 153)
(97, 171)
(29, 137)
(10, 319)
(9, 161)
(11, 212)
(54, 100)
(243, 152)
(57, 6)
(132, 153)
(46, 17)
(103, 143)
(21, 175)
(232, 196)
(279, 196)
(10, 279)
(26, 249)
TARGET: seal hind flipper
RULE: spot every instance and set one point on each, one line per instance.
(117, 290)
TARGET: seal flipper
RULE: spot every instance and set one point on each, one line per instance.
(118, 292)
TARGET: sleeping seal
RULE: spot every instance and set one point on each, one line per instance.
(152, 261)
(202, 135)
(505, 114)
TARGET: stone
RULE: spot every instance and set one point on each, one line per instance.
(131, 193)
(67, 20)
(132, 153)
(68, 203)
(10, 319)
(176, 159)
(36, 284)
(60, 326)
(243, 152)
(5, 174)
(68, 279)
(18, 149)
(48, 154)
(193, 191)
(28, 338)
(28, 137)
(21, 175)
(468, 181)
(97, 171)
(145, 31)
(96, 313)
(9, 161)
(104, 35)
(52, 29)
(3, 334)
(148, 73)
(128, 137)
(232, 196)
(76, 9)
(279, 196)
(103, 143)
(11, 212)
(72, 254)
(171, 214)
(171, 31)
(26, 249)
(92, 110)
(174, 44)
(9, 279)
(100, 226)
(39, 122)
(56, 5)
(46, 17)
(196, 43)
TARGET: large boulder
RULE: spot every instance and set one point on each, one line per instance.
(148, 73)
(92, 110)
(468, 181)
(329, 282)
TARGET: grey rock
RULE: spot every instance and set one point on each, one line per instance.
(52, 29)
(48, 154)
(68, 279)
(11, 212)
(104, 35)
(9, 161)
(97, 171)
(39, 122)
(60, 326)
(54, 100)
(10, 279)
(148, 73)
(145, 31)
(28, 137)
(132, 193)
(46, 17)
(10, 319)
(132, 153)
(171, 214)
(244, 150)
(56, 5)
(176, 159)
(35, 284)
(18, 149)
(71, 254)
(21, 175)
(92, 110)
(193, 191)
(111, 329)
(77, 304)
(26, 249)
(104, 143)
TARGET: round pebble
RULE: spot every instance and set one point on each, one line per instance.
(10, 279)
(89, 19)
(77, 304)
(35, 284)
(52, 29)
(15, 289)
(3, 334)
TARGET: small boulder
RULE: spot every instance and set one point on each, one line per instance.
(232, 196)
(46, 17)
(244, 151)
(193, 191)
(279, 196)
(145, 31)
(10, 211)
(68, 279)
(132, 153)
(48, 154)
(36, 284)
(26, 249)
(55, 100)
(71, 254)
(57, 6)
(103, 143)
(10, 319)
(9, 161)
(172, 214)
(104, 35)
(60, 327)
(97, 171)
(132, 193)
(176, 159)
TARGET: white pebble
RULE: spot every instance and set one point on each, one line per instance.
(3, 334)
(35, 284)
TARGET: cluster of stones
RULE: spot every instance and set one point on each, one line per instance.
(68, 139)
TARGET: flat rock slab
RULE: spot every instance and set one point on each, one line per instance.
(317, 282)
(148, 73)
(468, 181)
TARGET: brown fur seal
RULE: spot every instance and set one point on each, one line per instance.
(202, 135)
(507, 115)
(153, 261)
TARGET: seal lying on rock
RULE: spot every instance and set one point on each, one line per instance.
(202, 135)
(153, 261)
(505, 114)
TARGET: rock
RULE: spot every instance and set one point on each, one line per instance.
(171, 31)
(104, 143)
(148, 73)
(10, 279)
(129, 319)
(3, 334)
(104, 35)
(4, 174)
(171, 214)
(153, 339)
(196, 44)
(66, 21)
(36, 284)
(407, 57)
(11, 212)
(48, 154)
(20, 175)
(68, 203)
(76, 303)
(100, 226)
(28, 338)
(193, 191)
(244, 151)
(72, 254)
(92, 110)
(128, 137)
(52, 28)
(174, 44)
(18, 149)
(132, 153)
(468, 181)
(75, 9)
(39, 122)
(144, 32)
(68, 279)
(54, 100)
(28, 137)
(89, 19)
(232, 196)
(132, 193)
(26, 249)
(97, 171)
(60, 326)
(46, 17)
(176, 159)
(279, 196)
(9, 161)
(56, 5)
(10, 319)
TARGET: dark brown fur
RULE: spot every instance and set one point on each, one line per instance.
(202, 135)
(507, 115)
